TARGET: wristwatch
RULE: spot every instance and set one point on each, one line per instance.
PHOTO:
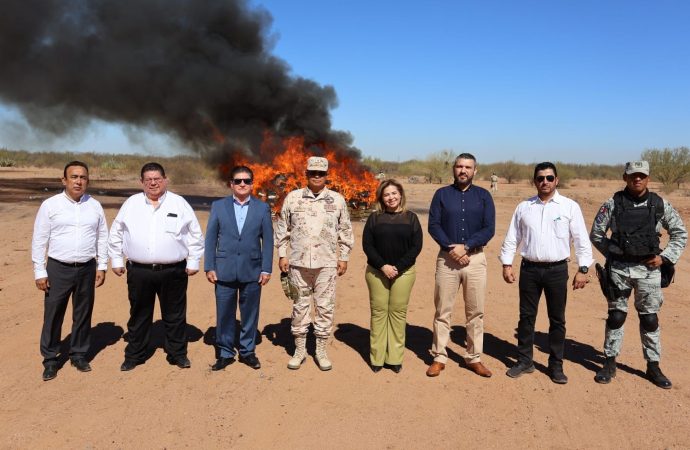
(583, 269)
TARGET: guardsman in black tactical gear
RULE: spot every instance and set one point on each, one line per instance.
(634, 258)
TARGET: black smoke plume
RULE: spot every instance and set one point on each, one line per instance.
(200, 71)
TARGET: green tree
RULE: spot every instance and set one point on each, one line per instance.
(512, 171)
(439, 166)
(669, 166)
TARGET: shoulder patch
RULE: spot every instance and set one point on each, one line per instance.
(601, 215)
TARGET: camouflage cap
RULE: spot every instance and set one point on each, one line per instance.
(317, 163)
(637, 167)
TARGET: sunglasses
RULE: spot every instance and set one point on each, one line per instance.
(316, 173)
(549, 178)
(247, 181)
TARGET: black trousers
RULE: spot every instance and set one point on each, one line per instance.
(65, 281)
(553, 281)
(143, 284)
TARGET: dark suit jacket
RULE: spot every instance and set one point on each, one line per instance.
(239, 257)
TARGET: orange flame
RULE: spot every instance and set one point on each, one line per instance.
(272, 181)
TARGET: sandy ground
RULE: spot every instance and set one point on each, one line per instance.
(160, 406)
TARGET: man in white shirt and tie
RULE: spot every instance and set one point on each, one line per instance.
(542, 228)
(159, 235)
(71, 230)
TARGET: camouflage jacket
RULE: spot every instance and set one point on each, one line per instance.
(316, 228)
(670, 221)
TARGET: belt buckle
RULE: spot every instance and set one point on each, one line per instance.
(156, 267)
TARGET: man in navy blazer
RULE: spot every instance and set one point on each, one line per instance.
(238, 260)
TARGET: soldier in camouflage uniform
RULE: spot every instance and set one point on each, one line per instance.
(635, 217)
(315, 223)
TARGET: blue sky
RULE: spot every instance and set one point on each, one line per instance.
(566, 80)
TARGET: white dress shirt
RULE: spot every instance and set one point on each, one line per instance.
(165, 234)
(543, 231)
(70, 231)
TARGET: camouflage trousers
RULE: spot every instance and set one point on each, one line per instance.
(646, 284)
(319, 285)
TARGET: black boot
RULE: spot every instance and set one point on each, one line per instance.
(607, 372)
(656, 376)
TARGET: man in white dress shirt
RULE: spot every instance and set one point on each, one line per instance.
(542, 228)
(159, 235)
(71, 230)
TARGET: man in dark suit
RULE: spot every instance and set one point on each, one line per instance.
(238, 261)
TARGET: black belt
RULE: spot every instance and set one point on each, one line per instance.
(474, 251)
(528, 263)
(72, 264)
(156, 267)
(629, 258)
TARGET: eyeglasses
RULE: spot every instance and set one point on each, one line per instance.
(549, 178)
(316, 173)
(152, 180)
(247, 181)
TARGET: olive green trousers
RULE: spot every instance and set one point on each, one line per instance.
(388, 300)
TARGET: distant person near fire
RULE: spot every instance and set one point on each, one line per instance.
(462, 220)
(315, 224)
(635, 261)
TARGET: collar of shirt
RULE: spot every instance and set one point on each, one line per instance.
(161, 199)
(84, 197)
(308, 193)
(237, 201)
(457, 188)
(557, 198)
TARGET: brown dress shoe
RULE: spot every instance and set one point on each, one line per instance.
(479, 368)
(435, 369)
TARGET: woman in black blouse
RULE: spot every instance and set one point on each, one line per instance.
(392, 239)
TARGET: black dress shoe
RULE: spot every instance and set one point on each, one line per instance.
(81, 364)
(396, 367)
(180, 361)
(557, 376)
(128, 365)
(49, 373)
(376, 369)
(222, 363)
(251, 360)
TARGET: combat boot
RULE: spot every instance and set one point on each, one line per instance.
(656, 376)
(321, 356)
(607, 372)
(300, 353)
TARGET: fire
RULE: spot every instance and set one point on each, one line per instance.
(286, 172)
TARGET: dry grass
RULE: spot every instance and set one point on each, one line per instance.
(183, 169)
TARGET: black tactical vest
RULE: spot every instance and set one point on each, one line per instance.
(636, 226)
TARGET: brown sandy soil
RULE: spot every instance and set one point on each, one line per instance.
(161, 406)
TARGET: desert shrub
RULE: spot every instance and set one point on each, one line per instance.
(112, 164)
(669, 166)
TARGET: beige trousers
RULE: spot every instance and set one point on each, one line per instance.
(449, 276)
(318, 284)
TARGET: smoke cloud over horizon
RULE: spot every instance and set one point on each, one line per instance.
(199, 71)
